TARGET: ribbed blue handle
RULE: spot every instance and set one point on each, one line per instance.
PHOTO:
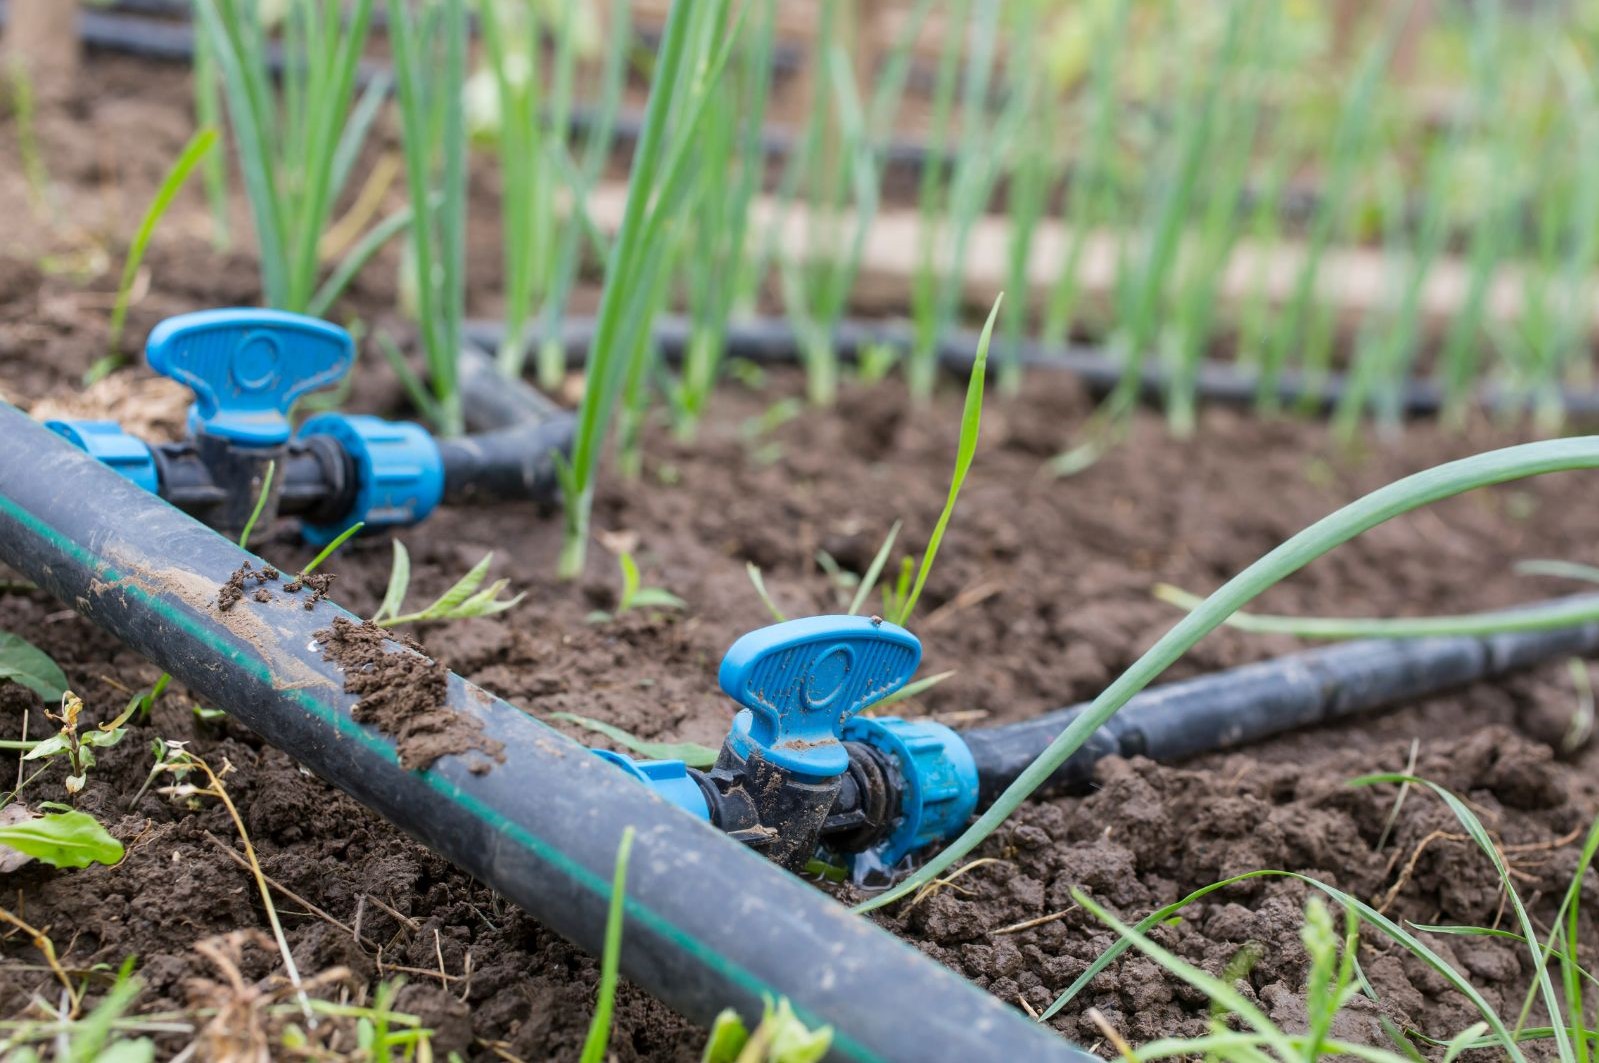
(247, 366)
(803, 680)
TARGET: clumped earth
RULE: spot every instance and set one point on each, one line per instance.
(403, 693)
(1041, 596)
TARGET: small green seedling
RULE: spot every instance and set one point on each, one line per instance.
(78, 748)
(171, 759)
(905, 599)
(25, 109)
(107, 1034)
(198, 148)
(781, 1037)
(635, 595)
(753, 571)
(461, 601)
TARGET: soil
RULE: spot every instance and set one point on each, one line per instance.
(403, 693)
(1040, 597)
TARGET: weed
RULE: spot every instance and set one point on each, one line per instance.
(183, 764)
(691, 753)
(199, 148)
(635, 595)
(25, 109)
(27, 665)
(753, 570)
(76, 747)
(262, 494)
(467, 598)
(780, 1037)
(965, 452)
(99, 1036)
(62, 837)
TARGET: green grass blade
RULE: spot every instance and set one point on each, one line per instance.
(399, 581)
(691, 753)
(599, 1035)
(1409, 942)
(327, 551)
(965, 451)
(355, 260)
(1479, 834)
(1559, 570)
(754, 572)
(1402, 496)
(874, 571)
(198, 148)
(1562, 613)
(1217, 990)
(260, 504)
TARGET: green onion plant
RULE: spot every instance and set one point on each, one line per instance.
(298, 133)
(694, 51)
(430, 75)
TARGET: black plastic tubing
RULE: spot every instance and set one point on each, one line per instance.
(1246, 704)
(772, 340)
(517, 430)
(709, 924)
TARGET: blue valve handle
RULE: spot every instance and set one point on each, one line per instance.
(801, 681)
(247, 367)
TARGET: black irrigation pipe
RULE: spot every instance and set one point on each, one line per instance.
(124, 30)
(773, 341)
(1241, 705)
(709, 924)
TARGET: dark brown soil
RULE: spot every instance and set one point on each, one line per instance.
(237, 585)
(1041, 596)
(403, 693)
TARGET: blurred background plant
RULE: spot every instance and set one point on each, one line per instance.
(1348, 203)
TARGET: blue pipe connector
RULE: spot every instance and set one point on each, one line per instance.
(399, 474)
(802, 771)
(106, 440)
(247, 367)
(939, 781)
(669, 779)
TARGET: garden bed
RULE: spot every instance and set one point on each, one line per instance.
(1041, 596)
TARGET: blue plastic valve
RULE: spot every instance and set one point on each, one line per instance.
(398, 470)
(668, 778)
(106, 440)
(801, 681)
(940, 780)
(247, 367)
